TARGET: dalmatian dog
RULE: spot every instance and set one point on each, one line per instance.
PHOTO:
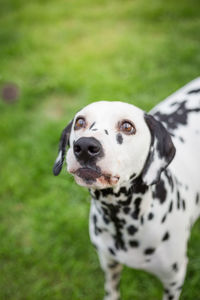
(142, 171)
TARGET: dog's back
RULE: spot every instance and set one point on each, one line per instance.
(180, 114)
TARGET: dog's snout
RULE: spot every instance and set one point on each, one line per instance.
(87, 149)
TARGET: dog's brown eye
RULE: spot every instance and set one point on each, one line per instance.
(127, 127)
(80, 123)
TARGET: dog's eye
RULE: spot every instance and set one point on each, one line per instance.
(127, 127)
(80, 123)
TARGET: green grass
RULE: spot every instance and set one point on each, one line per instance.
(63, 55)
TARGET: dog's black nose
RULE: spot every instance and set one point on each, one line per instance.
(87, 149)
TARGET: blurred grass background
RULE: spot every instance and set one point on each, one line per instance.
(58, 56)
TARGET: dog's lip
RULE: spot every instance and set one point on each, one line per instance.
(88, 173)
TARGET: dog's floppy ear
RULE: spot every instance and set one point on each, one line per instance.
(64, 141)
(161, 151)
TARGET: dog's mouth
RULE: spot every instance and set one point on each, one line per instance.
(91, 176)
(88, 174)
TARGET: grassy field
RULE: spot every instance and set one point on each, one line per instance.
(63, 55)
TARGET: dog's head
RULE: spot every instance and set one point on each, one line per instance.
(111, 142)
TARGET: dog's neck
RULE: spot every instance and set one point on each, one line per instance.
(128, 196)
(132, 186)
(134, 196)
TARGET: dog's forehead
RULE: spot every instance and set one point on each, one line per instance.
(105, 111)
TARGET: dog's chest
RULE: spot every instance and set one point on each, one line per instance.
(139, 231)
(127, 234)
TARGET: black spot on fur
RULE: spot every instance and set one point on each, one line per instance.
(197, 198)
(122, 191)
(109, 191)
(194, 91)
(96, 229)
(126, 209)
(119, 242)
(119, 138)
(142, 220)
(136, 212)
(149, 251)
(178, 200)
(160, 191)
(132, 229)
(175, 267)
(111, 251)
(95, 219)
(138, 186)
(150, 216)
(178, 117)
(183, 204)
(132, 176)
(173, 283)
(166, 236)
(171, 207)
(134, 243)
(106, 192)
(97, 194)
(171, 297)
(106, 131)
(92, 125)
(164, 218)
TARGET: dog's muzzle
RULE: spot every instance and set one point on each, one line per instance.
(87, 151)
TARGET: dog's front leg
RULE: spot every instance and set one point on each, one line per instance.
(173, 286)
(112, 271)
